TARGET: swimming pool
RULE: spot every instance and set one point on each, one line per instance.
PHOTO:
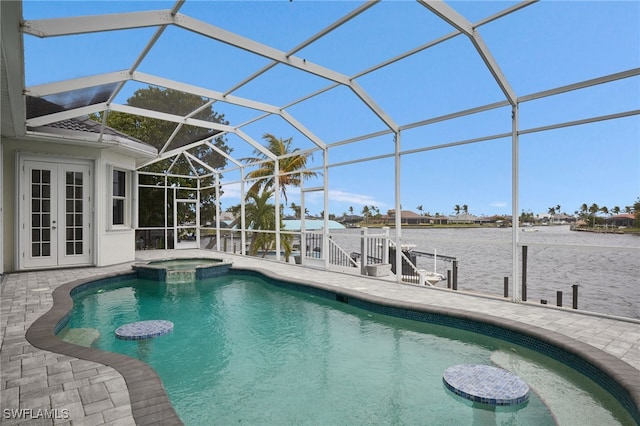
(244, 349)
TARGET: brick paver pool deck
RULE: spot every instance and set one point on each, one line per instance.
(81, 386)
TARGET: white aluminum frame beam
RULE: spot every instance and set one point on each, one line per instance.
(177, 151)
(96, 23)
(124, 76)
(459, 22)
(306, 43)
(192, 122)
(121, 21)
(252, 46)
(65, 115)
(47, 89)
(179, 126)
(13, 65)
(224, 154)
(169, 117)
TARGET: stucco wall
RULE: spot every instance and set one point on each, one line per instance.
(114, 246)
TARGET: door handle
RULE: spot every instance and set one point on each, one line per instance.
(53, 227)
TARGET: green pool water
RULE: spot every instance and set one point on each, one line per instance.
(245, 352)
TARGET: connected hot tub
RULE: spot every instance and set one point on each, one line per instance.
(175, 271)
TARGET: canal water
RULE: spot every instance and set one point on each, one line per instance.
(606, 267)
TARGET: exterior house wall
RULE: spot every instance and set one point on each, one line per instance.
(108, 246)
(114, 245)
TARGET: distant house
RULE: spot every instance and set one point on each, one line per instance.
(626, 219)
(349, 220)
(439, 220)
(555, 219)
(407, 217)
(563, 218)
(464, 218)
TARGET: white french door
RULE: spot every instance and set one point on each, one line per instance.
(56, 214)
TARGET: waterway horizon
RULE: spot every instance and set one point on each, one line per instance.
(604, 266)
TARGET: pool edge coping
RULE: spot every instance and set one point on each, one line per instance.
(150, 402)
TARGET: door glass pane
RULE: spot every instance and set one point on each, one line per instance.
(40, 212)
(74, 200)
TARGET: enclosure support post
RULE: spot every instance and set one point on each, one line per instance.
(166, 213)
(243, 222)
(276, 184)
(385, 247)
(515, 158)
(303, 228)
(198, 218)
(398, 207)
(325, 193)
(363, 251)
(217, 183)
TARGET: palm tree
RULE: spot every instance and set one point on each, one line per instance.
(465, 209)
(287, 165)
(260, 215)
(593, 209)
(366, 213)
(419, 208)
(457, 209)
(296, 209)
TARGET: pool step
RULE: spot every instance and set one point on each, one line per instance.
(81, 336)
(553, 390)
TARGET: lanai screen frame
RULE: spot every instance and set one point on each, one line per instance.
(162, 19)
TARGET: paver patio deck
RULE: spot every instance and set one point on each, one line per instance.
(79, 391)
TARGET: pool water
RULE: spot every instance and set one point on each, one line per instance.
(243, 351)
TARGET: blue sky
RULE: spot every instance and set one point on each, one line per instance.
(540, 47)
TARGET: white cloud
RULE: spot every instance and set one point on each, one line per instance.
(340, 201)
(231, 196)
(349, 197)
(231, 191)
(498, 204)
